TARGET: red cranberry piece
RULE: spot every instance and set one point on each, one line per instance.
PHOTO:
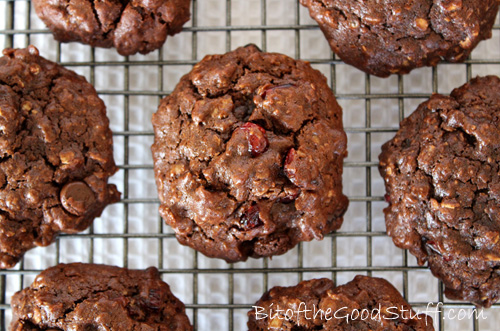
(135, 309)
(433, 247)
(271, 88)
(154, 300)
(257, 140)
(387, 198)
(436, 248)
(251, 219)
(291, 196)
(290, 157)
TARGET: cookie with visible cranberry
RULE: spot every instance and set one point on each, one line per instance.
(365, 303)
(441, 173)
(248, 155)
(57, 153)
(396, 36)
(80, 296)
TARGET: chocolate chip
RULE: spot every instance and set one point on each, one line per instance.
(76, 197)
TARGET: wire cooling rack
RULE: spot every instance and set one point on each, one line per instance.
(131, 233)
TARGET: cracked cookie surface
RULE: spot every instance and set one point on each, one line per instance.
(56, 153)
(318, 305)
(96, 297)
(396, 36)
(131, 26)
(248, 155)
(441, 172)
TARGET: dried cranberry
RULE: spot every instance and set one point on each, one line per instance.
(290, 157)
(433, 246)
(257, 140)
(250, 218)
(153, 301)
(135, 309)
(436, 248)
(291, 196)
(271, 88)
(387, 198)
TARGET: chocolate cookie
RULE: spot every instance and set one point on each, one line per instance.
(248, 155)
(130, 26)
(365, 303)
(441, 172)
(97, 297)
(396, 36)
(56, 153)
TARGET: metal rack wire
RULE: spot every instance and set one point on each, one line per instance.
(366, 128)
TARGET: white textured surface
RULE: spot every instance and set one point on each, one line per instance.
(143, 221)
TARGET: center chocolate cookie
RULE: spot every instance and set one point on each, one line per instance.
(56, 153)
(248, 155)
(395, 36)
(80, 296)
(441, 172)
